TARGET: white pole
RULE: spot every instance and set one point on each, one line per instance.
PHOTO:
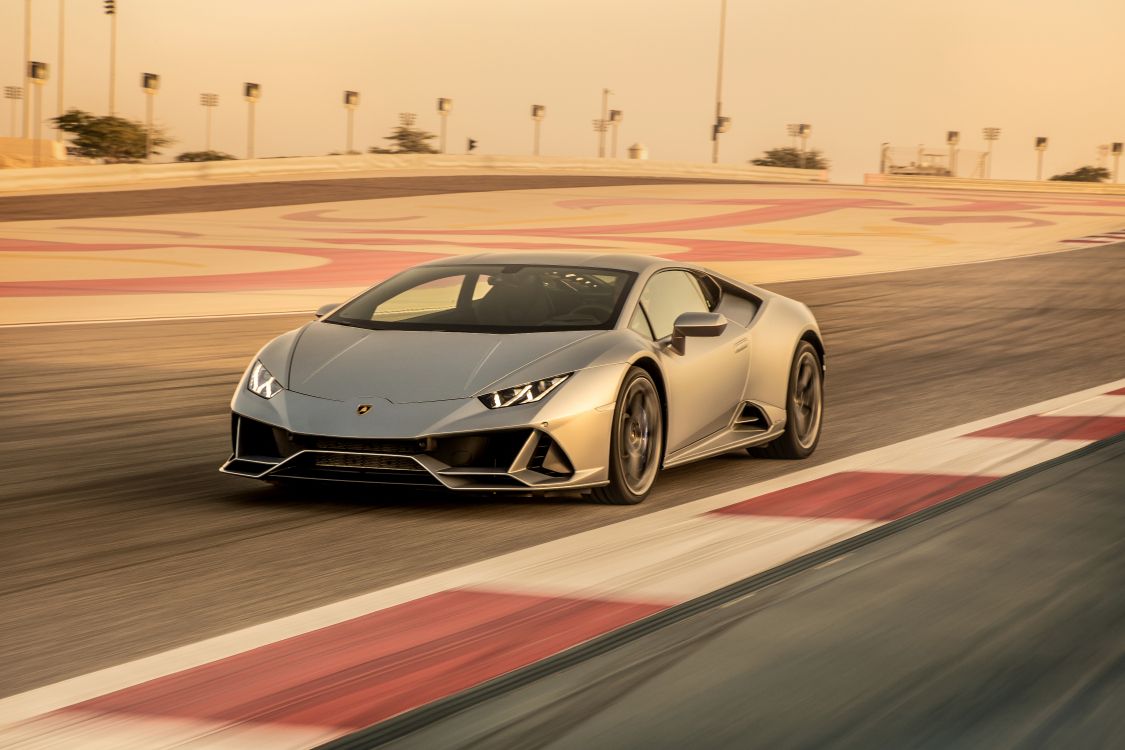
(719, 84)
(62, 35)
(208, 126)
(603, 123)
(148, 125)
(26, 68)
(113, 63)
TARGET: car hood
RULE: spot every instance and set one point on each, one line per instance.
(345, 362)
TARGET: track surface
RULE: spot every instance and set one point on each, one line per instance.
(180, 200)
(996, 624)
(120, 538)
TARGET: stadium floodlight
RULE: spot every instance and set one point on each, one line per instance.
(952, 138)
(444, 107)
(804, 132)
(351, 101)
(990, 135)
(111, 11)
(37, 73)
(1040, 147)
(538, 112)
(615, 118)
(13, 94)
(1115, 149)
(252, 92)
(209, 102)
(150, 82)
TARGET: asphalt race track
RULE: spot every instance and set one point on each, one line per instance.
(121, 539)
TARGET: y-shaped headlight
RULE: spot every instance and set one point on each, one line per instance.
(522, 394)
(261, 383)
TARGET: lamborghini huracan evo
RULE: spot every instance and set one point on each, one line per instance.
(533, 372)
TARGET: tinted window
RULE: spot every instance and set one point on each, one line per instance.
(667, 295)
(501, 299)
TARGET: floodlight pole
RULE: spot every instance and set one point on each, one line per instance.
(1040, 147)
(615, 116)
(444, 107)
(62, 35)
(1116, 147)
(538, 112)
(715, 129)
(27, 69)
(113, 62)
(209, 102)
(13, 94)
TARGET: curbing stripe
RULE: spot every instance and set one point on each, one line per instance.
(415, 719)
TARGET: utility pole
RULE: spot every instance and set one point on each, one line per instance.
(602, 123)
(538, 112)
(721, 123)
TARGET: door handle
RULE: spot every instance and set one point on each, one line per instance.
(741, 344)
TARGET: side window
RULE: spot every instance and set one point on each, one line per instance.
(667, 295)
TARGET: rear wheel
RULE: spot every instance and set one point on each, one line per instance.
(804, 408)
(636, 442)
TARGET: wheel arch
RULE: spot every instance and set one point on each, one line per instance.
(813, 338)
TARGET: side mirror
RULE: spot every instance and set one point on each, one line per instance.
(696, 324)
(325, 309)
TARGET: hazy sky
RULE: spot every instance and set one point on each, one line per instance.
(860, 71)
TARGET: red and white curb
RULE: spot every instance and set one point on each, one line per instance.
(320, 674)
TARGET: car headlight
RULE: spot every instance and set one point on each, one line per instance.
(522, 394)
(261, 383)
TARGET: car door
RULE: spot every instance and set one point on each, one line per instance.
(707, 381)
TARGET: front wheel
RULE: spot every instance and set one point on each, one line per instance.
(636, 442)
(804, 408)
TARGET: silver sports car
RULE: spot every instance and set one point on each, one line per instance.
(533, 372)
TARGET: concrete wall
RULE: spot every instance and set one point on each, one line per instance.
(967, 183)
(219, 171)
(20, 152)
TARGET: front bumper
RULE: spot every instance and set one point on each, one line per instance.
(561, 443)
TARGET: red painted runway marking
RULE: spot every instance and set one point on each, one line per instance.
(1056, 428)
(866, 495)
(365, 670)
(1118, 392)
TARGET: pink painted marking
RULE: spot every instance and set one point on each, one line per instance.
(1118, 392)
(1056, 428)
(365, 670)
(870, 495)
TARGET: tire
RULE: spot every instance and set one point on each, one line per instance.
(804, 409)
(636, 444)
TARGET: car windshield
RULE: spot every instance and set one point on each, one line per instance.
(491, 299)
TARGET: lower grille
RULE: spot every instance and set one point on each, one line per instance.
(362, 445)
(358, 461)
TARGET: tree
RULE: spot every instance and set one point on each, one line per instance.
(787, 156)
(115, 139)
(407, 139)
(204, 156)
(1083, 174)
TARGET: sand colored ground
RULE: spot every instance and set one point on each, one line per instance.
(294, 258)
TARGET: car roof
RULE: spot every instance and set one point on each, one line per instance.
(610, 261)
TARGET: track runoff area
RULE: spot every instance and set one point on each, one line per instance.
(327, 673)
(323, 674)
